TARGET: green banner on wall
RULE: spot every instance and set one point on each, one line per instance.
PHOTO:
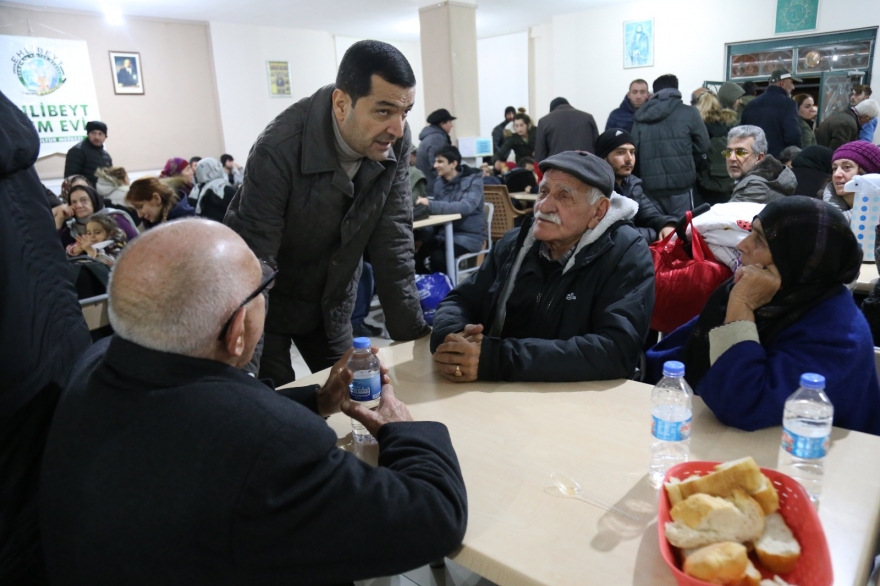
(796, 15)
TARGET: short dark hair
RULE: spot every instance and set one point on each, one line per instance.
(635, 81)
(509, 110)
(367, 58)
(788, 153)
(523, 161)
(861, 89)
(524, 117)
(195, 160)
(450, 153)
(225, 158)
(664, 82)
(750, 88)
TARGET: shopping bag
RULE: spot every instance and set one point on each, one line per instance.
(432, 289)
(682, 282)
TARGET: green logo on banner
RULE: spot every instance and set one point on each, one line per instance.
(39, 71)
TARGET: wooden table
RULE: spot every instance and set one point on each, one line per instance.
(511, 437)
(523, 196)
(867, 277)
(446, 220)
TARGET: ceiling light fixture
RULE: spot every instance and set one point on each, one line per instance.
(113, 14)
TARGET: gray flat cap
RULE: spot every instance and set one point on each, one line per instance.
(585, 166)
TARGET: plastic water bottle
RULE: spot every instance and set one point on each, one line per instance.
(672, 413)
(366, 388)
(806, 434)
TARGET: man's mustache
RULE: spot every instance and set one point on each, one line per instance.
(551, 217)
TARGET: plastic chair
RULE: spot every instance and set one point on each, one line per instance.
(95, 312)
(488, 212)
(505, 214)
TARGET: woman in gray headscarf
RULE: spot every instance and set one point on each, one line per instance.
(212, 191)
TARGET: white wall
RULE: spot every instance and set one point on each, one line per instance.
(690, 36)
(502, 63)
(542, 79)
(412, 50)
(240, 55)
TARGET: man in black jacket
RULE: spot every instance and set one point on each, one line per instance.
(327, 181)
(167, 464)
(88, 156)
(498, 131)
(616, 147)
(565, 129)
(776, 113)
(42, 332)
(567, 297)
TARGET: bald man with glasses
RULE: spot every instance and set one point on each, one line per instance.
(167, 464)
(759, 176)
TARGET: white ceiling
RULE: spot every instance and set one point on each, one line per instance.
(380, 19)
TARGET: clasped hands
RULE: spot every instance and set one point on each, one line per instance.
(754, 287)
(334, 397)
(458, 357)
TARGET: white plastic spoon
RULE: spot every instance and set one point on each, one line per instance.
(570, 488)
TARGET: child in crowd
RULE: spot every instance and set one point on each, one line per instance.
(102, 241)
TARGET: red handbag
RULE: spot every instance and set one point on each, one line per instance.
(683, 284)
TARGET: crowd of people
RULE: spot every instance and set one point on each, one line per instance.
(163, 452)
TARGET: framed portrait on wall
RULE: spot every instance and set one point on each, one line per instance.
(128, 75)
(638, 43)
(279, 78)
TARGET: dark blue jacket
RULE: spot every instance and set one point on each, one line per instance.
(748, 385)
(775, 113)
(622, 117)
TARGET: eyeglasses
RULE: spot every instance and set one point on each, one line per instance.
(740, 153)
(264, 286)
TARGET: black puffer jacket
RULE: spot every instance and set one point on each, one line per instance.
(590, 323)
(670, 136)
(298, 210)
(84, 159)
(42, 332)
(650, 219)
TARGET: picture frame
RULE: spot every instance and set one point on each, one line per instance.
(127, 73)
(638, 43)
(279, 79)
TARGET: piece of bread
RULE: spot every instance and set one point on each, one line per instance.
(751, 577)
(719, 563)
(673, 489)
(767, 496)
(777, 548)
(743, 474)
(702, 520)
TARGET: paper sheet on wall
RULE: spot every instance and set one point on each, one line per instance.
(51, 81)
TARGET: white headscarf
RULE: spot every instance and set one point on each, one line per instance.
(210, 176)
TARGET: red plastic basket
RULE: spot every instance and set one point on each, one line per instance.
(814, 566)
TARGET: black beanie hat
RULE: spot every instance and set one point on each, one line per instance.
(96, 125)
(612, 139)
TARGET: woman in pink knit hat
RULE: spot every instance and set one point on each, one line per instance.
(853, 158)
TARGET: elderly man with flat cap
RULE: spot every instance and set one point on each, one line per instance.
(167, 464)
(566, 297)
(432, 138)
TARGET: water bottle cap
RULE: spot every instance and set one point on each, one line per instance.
(811, 380)
(673, 368)
(361, 343)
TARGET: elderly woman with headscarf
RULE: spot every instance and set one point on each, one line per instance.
(83, 201)
(851, 159)
(179, 175)
(785, 312)
(212, 192)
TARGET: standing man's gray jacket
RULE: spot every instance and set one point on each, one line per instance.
(298, 210)
(767, 181)
(565, 129)
(669, 135)
(463, 195)
(432, 138)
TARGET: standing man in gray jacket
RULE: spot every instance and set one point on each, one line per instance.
(670, 137)
(327, 180)
(433, 137)
(565, 129)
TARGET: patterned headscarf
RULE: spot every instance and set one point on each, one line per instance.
(67, 184)
(173, 167)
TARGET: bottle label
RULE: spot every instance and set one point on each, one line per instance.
(366, 389)
(671, 431)
(808, 448)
